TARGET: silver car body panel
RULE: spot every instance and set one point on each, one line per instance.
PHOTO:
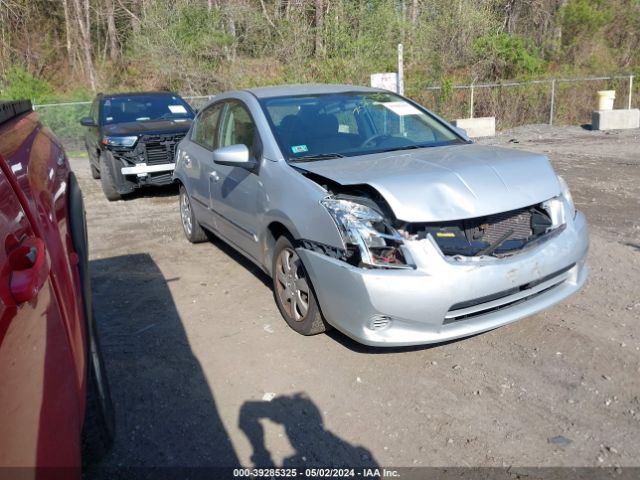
(418, 301)
(432, 184)
(446, 183)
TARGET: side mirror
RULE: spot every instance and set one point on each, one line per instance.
(87, 122)
(234, 156)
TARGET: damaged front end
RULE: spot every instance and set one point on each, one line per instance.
(499, 235)
(426, 282)
(369, 237)
(148, 161)
(374, 239)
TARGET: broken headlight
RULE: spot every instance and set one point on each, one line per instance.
(363, 227)
(566, 194)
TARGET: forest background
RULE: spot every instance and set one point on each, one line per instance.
(66, 50)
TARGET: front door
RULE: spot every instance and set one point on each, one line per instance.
(235, 190)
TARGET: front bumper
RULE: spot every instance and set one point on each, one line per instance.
(444, 299)
(143, 169)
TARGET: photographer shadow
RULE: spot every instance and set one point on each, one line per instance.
(314, 445)
(167, 422)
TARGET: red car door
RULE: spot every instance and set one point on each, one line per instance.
(40, 406)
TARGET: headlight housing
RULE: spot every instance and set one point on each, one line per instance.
(378, 243)
(120, 141)
(566, 194)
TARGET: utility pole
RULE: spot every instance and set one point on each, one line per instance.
(400, 69)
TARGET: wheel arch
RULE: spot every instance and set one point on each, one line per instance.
(275, 230)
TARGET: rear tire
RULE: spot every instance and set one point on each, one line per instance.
(293, 291)
(99, 421)
(192, 229)
(106, 179)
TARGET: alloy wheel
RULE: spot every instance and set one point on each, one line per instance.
(291, 284)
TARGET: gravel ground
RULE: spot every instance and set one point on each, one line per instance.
(204, 371)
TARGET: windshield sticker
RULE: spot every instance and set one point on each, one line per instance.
(299, 149)
(177, 109)
(401, 108)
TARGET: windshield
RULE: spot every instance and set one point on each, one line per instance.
(315, 127)
(142, 108)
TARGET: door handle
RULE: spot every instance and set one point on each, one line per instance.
(214, 176)
(29, 269)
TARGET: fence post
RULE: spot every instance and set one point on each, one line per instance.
(400, 69)
(471, 103)
(630, 90)
(553, 99)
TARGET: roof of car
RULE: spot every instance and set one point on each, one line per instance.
(135, 94)
(307, 89)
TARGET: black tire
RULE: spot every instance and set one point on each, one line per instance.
(106, 179)
(95, 173)
(190, 226)
(99, 422)
(297, 304)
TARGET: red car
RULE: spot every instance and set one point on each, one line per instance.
(54, 395)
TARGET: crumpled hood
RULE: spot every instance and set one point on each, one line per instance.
(153, 127)
(447, 183)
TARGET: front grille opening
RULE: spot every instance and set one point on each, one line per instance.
(485, 311)
(160, 149)
(505, 294)
(499, 234)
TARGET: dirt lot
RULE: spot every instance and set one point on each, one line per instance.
(201, 362)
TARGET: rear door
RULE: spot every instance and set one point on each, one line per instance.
(198, 161)
(92, 136)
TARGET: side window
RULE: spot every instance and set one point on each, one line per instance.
(238, 127)
(205, 129)
(94, 111)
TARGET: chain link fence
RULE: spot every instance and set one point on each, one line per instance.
(562, 101)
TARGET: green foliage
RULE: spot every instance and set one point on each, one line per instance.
(178, 45)
(198, 33)
(584, 17)
(446, 89)
(507, 56)
(19, 84)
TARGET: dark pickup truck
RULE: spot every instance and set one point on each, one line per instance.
(131, 139)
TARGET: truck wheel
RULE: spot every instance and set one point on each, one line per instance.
(106, 179)
(293, 291)
(192, 229)
(95, 173)
(99, 421)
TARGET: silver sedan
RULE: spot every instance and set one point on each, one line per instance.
(375, 216)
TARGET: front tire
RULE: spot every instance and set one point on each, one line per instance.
(106, 179)
(192, 229)
(95, 173)
(293, 291)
